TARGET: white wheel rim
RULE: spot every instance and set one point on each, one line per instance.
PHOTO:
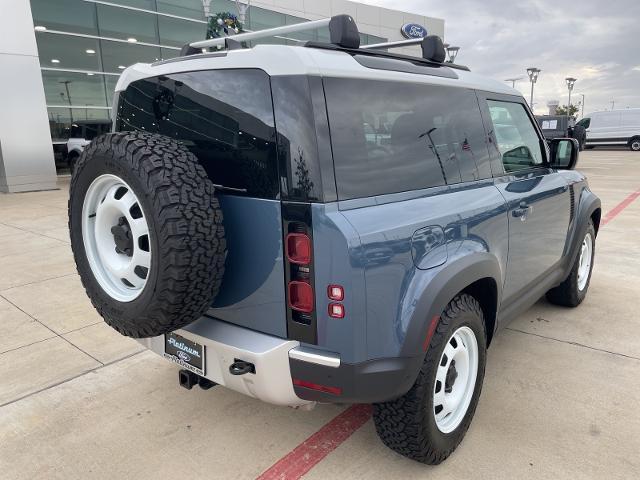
(122, 276)
(636, 145)
(451, 399)
(584, 262)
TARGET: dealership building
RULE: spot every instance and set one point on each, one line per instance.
(60, 61)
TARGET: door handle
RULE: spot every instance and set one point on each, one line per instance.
(522, 211)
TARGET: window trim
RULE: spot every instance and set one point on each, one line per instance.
(484, 97)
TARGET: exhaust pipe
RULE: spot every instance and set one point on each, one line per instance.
(187, 379)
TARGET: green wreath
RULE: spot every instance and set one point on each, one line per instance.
(223, 23)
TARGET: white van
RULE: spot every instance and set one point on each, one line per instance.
(616, 127)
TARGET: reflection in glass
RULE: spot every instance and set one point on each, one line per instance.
(187, 8)
(390, 138)
(177, 32)
(62, 119)
(115, 22)
(71, 52)
(224, 117)
(117, 54)
(65, 15)
(76, 89)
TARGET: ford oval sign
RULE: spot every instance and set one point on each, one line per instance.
(413, 30)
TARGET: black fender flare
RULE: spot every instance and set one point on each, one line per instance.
(454, 277)
(587, 205)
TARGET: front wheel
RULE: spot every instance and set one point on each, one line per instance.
(634, 144)
(430, 420)
(572, 291)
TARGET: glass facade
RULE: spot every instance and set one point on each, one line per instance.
(84, 45)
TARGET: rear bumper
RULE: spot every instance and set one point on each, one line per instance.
(225, 343)
(279, 361)
(373, 381)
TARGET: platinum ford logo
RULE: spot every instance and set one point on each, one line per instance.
(185, 357)
(184, 348)
(413, 30)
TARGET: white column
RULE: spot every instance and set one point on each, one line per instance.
(26, 152)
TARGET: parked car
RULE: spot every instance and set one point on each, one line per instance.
(562, 126)
(247, 222)
(81, 134)
(615, 127)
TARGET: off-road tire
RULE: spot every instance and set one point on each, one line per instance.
(186, 234)
(407, 425)
(567, 294)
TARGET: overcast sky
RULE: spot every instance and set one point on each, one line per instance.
(595, 41)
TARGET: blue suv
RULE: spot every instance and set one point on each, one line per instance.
(329, 223)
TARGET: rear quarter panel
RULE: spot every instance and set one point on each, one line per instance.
(475, 225)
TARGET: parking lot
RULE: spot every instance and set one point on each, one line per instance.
(77, 400)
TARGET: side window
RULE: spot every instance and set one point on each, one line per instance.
(585, 122)
(517, 141)
(224, 117)
(392, 137)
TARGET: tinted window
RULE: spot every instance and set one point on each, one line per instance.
(517, 141)
(393, 137)
(224, 117)
(297, 144)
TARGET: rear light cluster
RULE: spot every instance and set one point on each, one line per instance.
(299, 288)
(336, 294)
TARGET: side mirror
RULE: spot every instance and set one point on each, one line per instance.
(564, 153)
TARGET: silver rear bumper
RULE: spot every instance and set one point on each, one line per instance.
(224, 343)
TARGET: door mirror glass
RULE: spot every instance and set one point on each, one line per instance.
(564, 153)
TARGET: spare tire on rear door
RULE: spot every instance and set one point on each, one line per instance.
(146, 232)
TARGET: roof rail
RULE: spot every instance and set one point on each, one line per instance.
(342, 29)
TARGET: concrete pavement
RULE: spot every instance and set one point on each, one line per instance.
(77, 400)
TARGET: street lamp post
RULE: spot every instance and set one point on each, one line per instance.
(452, 52)
(513, 81)
(242, 10)
(533, 73)
(570, 83)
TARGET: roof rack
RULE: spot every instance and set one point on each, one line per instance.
(343, 35)
(342, 29)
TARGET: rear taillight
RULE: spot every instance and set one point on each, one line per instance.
(299, 272)
(301, 296)
(298, 248)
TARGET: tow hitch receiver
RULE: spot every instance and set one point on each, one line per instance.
(188, 380)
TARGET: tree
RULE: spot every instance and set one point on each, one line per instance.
(562, 110)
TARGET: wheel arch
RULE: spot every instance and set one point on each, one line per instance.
(478, 274)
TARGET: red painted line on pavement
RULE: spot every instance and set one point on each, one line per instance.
(315, 448)
(307, 455)
(620, 207)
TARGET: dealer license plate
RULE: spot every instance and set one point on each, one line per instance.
(184, 352)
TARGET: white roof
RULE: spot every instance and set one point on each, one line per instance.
(293, 60)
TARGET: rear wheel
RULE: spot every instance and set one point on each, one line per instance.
(572, 291)
(430, 420)
(634, 144)
(146, 233)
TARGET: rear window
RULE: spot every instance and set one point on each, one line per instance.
(224, 117)
(392, 137)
